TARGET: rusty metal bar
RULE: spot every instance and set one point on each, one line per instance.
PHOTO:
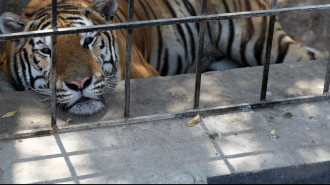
(161, 22)
(268, 53)
(128, 59)
(327, 77)
(200, 54)
(53, 62)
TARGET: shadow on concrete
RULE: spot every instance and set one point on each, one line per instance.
(317, 173)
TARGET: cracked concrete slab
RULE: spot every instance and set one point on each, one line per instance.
(169, 152)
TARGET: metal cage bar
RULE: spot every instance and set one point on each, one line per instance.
(53, 62)
(268, 53)
(200, 55)
(327, 78)
(128, 60)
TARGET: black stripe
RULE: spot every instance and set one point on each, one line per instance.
(144, 9)
(231, 31)
(98, 81)
(28, 67)
(259, 46)
(16, 73)
(192, 12)
(66, 6)
(219, 34)
(102, 44)
(117, 17)
(179, 27)
(41, 13)
(31, 42)
(179, 69)
(109, 39)
(42, 21)
(45, 25)
(311, 54)
(69, 12)
(192, 42)
(74, 18)
(38, 77)
(81, 23)
(35, 61)
(29, 15)
(40, 42)
(122, 12)
(165, 64)
(282, 51)
(31, 26)
(247, 35)
(160, 40)
(148, 59)
(209, 31)
(23, 69)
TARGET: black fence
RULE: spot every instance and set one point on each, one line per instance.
(129, 25)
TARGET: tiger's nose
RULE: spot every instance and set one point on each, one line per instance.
(80, 84)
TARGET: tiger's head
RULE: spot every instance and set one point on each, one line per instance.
(87, 63)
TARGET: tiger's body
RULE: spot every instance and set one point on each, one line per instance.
(243, 41)
(88, 64)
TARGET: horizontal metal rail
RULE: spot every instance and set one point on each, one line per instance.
(161, 22)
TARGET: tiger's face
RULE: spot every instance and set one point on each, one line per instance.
(86, 62)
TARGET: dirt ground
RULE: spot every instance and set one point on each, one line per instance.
(310, 29)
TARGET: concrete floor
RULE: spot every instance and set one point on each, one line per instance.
(168, 151)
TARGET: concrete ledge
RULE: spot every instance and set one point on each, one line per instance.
(172, 94)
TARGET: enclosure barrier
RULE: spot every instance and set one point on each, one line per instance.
(129, 25)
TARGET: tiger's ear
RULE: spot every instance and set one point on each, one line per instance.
(106, 8)
(12, 23)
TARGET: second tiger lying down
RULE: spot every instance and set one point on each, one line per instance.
(90, 64)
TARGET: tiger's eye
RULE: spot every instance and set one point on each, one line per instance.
(88, 40)
(46, 51)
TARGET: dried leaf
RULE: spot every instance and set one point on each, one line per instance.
(273, 132)
(9, 114)
(193, 122)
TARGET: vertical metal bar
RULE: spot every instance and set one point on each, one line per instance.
(327, 77)
(200, 54)
(53, 62)
(268, 53)
(128, 59)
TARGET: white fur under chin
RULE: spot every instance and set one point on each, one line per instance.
(88, 107)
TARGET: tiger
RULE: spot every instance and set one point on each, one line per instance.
(89, 65)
